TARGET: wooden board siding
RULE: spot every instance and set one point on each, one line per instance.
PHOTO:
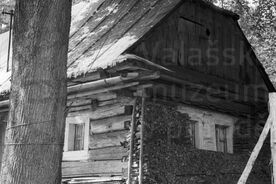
(175, 42)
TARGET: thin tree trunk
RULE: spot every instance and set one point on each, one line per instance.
(35, 131)
(272, 105)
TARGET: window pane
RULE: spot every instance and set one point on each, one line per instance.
(79, 137)
(192, 134)
(221, 138)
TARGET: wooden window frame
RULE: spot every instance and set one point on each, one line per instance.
(202, 116)
(229, 132)
(78, 129)
(76, 154)
(215, 121)
(218, 141)
(195, 134)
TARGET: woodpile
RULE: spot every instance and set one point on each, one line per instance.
(134, 143)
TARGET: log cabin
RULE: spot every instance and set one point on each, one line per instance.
(159, 91)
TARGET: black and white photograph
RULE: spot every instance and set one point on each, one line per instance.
(137, 91)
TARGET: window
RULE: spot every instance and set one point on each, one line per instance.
(216, 134)
(221, 138)
(192, 133)
(210, 130)
(76, 140)
(76, 137)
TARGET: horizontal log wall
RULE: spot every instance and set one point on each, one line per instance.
(110, 116)
(107, 139)
(109, 153)
(95, 168)
(110, 124)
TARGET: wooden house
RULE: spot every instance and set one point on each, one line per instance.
(159, 91)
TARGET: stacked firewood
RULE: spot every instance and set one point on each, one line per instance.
(134, 175)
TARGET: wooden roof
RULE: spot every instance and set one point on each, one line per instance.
(102, 30)
(113, 28)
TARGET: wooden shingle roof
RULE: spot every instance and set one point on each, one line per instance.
(110, 30)
(101, 30)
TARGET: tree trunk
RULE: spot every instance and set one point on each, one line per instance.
(272, 113)
(35, 130)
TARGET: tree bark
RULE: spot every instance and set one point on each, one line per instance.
(272, 113)
(35, 130)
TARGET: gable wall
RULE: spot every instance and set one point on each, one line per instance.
(177, 43)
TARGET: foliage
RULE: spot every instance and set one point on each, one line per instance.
(257, 20)
(8, 5)
(4, 19)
